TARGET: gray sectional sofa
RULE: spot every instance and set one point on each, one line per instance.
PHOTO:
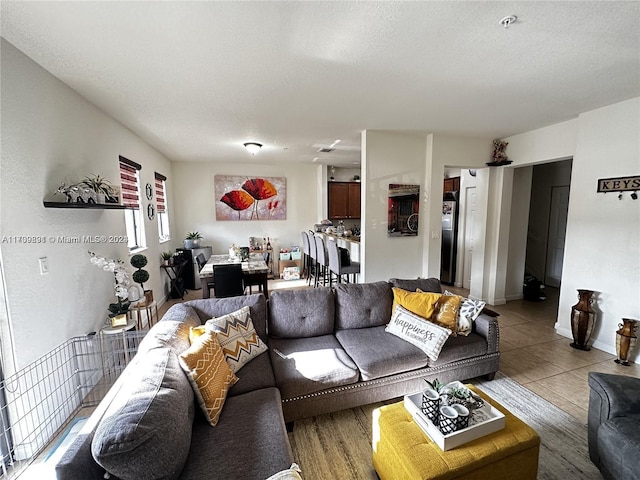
(328, 351)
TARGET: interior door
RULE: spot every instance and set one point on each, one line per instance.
(557, 234)
(469, 235)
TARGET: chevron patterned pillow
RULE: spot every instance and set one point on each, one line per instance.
(238, 338)
(209, 374)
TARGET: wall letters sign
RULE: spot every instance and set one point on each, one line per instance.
(619, 184)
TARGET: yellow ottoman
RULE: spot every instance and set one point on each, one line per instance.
(402, 451)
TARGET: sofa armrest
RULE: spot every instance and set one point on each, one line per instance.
(487, 327)
(610, 396)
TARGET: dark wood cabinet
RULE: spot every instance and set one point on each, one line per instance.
(451, 184)
(344, 200)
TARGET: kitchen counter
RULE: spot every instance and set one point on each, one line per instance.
(350, 243)
(336, 237)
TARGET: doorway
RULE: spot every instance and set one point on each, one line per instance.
(548, 211)
(557, 232)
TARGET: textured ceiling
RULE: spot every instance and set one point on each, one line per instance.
(197, 79)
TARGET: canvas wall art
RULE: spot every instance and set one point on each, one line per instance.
(250, 198)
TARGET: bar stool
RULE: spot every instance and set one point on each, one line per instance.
(336, 265)
(322, 261)
(311, 269)
(305, 253)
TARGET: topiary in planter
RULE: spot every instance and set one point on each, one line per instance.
(140, 276)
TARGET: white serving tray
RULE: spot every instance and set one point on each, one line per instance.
(495, 421)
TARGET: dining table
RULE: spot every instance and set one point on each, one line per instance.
(254, 266)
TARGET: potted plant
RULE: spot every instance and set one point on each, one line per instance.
(140, 275)
(117, 311)
(105, 191)
(166, 257)
(192, 240)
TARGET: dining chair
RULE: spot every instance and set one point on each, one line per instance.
(201, 261)
(253, 280)
(337, 265)
(322, 262)
(228, 280)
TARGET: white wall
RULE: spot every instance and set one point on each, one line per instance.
(521, 200)
(390, 157)
(50, 135)
(194, 182)
(602, 250)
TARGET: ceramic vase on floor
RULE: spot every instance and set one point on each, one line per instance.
(582, 320)
(626, 339)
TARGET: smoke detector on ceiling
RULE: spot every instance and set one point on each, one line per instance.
(508, 20)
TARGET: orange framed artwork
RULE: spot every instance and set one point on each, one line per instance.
(250, 198)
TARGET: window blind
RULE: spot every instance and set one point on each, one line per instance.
(130, 183)
(160, 193)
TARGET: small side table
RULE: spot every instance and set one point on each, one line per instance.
(135, 313)
(174, 272)
(109, 331)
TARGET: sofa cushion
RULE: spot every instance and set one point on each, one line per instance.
(310, 365)
(209, 374)
(238, 338)
(217, 307)
(425, 335)
(254, 375)
(378, 353)
(249, 442)
(172, 331)
(424, 284)
(460, 348)
(146, 431)
(301, 313)
(619, 446)
(362, 305)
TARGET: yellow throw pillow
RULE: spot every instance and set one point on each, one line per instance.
(447, 312)
(209, 374)
(421, 303)
(195, 333)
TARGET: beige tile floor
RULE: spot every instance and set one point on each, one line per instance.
(543, 361)
(531, 352)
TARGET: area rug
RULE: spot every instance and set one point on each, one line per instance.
(564, 453)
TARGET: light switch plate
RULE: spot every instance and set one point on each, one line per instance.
(44, 265)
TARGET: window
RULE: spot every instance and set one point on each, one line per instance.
(130, 179)
(161, 210)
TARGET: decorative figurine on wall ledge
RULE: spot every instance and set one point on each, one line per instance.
(499, 155)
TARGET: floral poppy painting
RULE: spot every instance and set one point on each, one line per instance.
(250, 198)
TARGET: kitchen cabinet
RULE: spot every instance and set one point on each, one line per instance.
(344, 200)
(451, 184)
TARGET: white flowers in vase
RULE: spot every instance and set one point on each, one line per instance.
(121, 284)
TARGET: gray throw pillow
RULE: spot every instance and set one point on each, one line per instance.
(145, 434)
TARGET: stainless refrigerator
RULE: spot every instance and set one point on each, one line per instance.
(191, 273)
(449, 238)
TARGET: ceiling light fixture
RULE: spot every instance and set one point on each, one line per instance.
(508, 20)
(253, 147)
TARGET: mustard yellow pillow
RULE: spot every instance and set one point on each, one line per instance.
(447, 312)
(209, 374)
(195, 333)
(421, 303)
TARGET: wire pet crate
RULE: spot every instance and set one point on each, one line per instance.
(38, 402)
